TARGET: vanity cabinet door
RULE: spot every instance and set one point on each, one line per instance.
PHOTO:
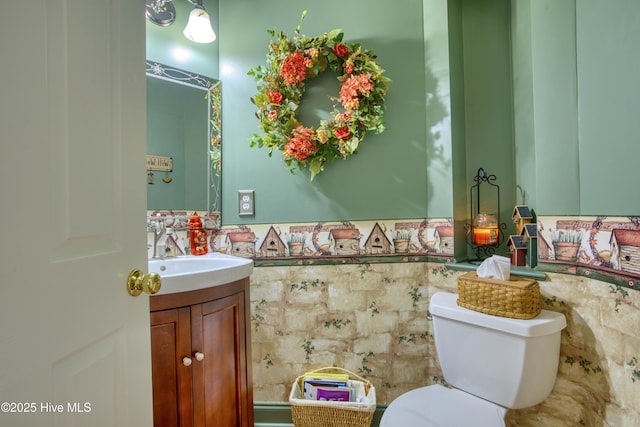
(170, 344)
(200, 346)
(220, 379)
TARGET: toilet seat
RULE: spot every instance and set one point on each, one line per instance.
(438, 406)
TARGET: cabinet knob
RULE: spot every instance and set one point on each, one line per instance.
(186, 361)
(199, 356)
(137, 282)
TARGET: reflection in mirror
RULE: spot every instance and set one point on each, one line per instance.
(183, 140)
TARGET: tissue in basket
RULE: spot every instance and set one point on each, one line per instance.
(517, 298)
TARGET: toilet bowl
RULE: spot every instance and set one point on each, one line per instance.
(439, 406)
(492, 364)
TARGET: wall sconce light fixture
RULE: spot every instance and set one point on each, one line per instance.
(484, 234)
(198, 28)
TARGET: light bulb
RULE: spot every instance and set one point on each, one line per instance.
(198, 27)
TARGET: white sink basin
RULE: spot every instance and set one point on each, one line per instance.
(188, 273)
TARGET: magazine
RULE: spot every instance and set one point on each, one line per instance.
(328, 387)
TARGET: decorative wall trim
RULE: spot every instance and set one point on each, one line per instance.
(340, 239)
(514, 271)
(323, 243)
(338, 260)
(599, 247)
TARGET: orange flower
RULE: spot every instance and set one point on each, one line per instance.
(352, 87)
(294, 68)
(275, 97)
(301, 144)
(342, 132)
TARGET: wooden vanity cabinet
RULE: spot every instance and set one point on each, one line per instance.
(201, 357)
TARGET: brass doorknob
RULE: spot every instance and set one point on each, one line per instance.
(138, 282)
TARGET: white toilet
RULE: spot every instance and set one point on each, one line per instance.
(494, 364)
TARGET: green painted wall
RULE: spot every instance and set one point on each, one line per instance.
(459, 155)
(438, 109)
(482, 106)
(391, 176)
(524, 135)
(608, 74)
(577, 99)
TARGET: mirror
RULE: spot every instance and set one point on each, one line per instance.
(183, 140)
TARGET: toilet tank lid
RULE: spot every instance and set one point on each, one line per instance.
(443, 304)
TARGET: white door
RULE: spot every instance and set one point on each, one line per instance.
(74, 346)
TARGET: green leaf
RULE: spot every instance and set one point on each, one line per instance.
(335, 35)
(304, 13)
(352, 144)
(315, 167)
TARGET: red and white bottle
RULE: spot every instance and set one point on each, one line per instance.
(197, 236)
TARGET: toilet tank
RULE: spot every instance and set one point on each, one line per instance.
(510, 362)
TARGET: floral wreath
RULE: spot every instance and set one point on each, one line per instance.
(281, 85)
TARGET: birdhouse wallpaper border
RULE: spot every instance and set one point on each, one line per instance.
(321, 242)
(329, 240)
(601, 247)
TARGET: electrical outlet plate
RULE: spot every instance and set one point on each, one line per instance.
(246, 204)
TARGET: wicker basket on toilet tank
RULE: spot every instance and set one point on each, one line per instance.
(516, 298)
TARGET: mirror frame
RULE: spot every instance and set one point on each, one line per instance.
(213, 92)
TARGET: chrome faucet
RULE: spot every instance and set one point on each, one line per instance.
(159, 230)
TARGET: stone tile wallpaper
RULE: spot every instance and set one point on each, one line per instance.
(371, 319)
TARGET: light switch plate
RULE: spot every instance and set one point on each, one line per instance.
(246, 204)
